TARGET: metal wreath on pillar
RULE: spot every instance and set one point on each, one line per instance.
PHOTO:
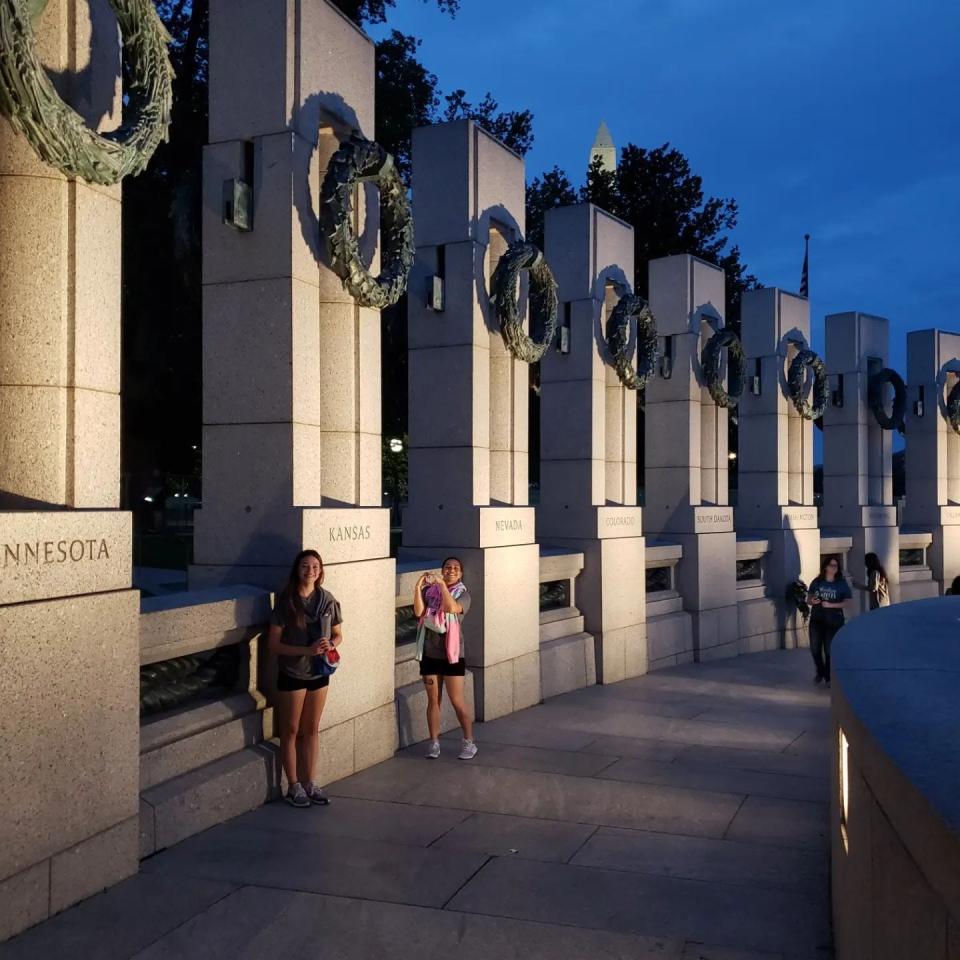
(796, 376)
(361, 161)
(521, 256)
(55, 130)
(875, 399)
(630, 307)
(724, 339)
(952, 413)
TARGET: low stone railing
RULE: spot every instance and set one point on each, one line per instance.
(751, 560)
(895, 811)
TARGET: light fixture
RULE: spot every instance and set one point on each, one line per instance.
(395, 444)
(732, 455)
(148, 499)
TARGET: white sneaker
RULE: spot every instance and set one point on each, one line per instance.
(469, 750)
(433, 753)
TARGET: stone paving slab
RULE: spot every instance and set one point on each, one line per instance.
(344, 866)
(256, 924)
(783, 823)
(579, 800)
(700, 858)
(522, 837)
(118, 923)
(692, 775)
(772, 920)
(761, 761)
(363, 819)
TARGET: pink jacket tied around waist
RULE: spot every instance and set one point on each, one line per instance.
(434, 618)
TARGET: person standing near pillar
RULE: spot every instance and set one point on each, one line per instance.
(826, 598)
(440, 604)
(304, 635)
(877, 585)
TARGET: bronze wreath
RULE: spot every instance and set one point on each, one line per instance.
(796, 376)
(953, 407)
(722, 340)
(875, 398)
(618, 340)
(55, 130)
(521, 256)
(359, 161)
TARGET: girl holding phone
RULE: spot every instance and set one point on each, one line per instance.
(441, 603)
(304, 635)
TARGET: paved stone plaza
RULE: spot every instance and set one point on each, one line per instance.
(682, 815)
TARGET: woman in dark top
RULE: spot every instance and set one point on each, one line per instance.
(441, 603)
(826, 597)
(304, 626)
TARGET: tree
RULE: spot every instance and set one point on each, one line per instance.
(375, 11)
(513, 128)
(553, 189)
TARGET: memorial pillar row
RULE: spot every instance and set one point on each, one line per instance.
(588, 440)
(291, 361)
(775, 494)
(686, 499)
(857, 451)
(469, 407)
(933, 449)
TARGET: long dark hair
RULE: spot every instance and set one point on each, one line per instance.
(872, 562)
(824, 561)
(290, 603)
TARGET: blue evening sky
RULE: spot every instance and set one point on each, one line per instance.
(840, 118)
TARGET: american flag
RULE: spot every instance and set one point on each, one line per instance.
(805, 272)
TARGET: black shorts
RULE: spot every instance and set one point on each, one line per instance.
(441, 667)
(286, 683)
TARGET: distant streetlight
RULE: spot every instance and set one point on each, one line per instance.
(731, 456)
(396, 445)
(148, 499)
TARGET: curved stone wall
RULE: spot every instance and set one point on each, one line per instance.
(896, 784)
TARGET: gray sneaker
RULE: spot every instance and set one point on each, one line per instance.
(316, 795)
(433, 751)
(297, 796)
(469, 750)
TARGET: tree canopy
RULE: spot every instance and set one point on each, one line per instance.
(657, 193)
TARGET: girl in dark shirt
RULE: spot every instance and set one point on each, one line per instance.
(826, 597)
(305, 626)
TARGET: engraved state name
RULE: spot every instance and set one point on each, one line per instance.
(42, 552)
(619, 521)
(505, 525)
(709, 518)
(355, 531)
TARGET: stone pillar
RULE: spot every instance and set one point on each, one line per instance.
(588, 440)
(857, 466)
(775, 495)
(69, 641)
(687, 499)
(933, 449)
(291, 364)
(469, 407)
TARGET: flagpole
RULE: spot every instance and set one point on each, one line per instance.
(805, 272)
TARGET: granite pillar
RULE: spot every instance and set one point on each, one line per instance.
(68, 735)
(291, 363)
(857, 452)
(588, 440)
(686, 492)
(933, 450)
(775, 494)
(469, 407)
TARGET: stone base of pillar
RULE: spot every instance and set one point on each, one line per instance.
(610, 592)
(69, 670)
